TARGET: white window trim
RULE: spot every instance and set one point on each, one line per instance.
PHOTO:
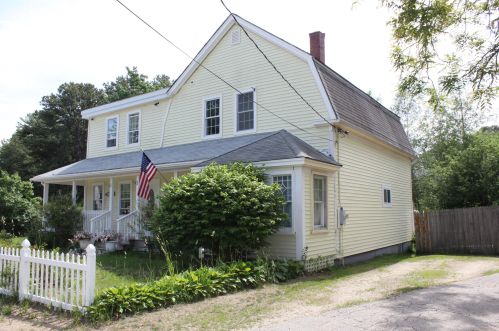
(283, 229)
(203, 117)
(117, 131)
(325, 226)
(128, 127)
(249, 131)
(103, 195)
(383, 188)
(119, 196)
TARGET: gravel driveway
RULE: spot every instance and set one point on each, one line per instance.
(467, 305)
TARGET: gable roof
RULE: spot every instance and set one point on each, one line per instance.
(280, 145)
(343, 100)
(361, 111)
(268, 146)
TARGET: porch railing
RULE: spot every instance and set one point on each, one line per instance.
(101, 224)
(130, 226)
(88, 215)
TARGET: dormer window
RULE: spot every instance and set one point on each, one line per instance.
(245, 111)
(133, 128)
(212, 117)
(112, 132)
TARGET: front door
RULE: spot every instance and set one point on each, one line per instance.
(154, 191)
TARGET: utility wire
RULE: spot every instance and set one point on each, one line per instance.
(274, 67)
(217, 76)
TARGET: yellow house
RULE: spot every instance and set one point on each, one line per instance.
(342, 158)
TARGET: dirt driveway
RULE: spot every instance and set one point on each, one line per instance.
(467, 305)
(315, 296)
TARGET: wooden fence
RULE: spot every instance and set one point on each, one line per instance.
(463, 230)
(66, 281)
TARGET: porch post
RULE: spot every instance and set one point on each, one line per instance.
(137, 204)
(85, 196)
(73, 192)
(111, 193)
(45, 193)
(175, 173)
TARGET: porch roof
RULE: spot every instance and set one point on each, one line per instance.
(279, 145)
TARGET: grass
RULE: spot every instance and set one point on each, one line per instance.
(125, 268)
(491, 272)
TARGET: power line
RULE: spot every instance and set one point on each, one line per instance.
(274, 67)
(217, 76)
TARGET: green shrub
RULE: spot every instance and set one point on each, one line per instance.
(190, 286)
(229, 210)
(64, 218)
(20, 210)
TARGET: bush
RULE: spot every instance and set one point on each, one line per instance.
(20, 210)
(189, 286)
(64, 218)
(229, 210)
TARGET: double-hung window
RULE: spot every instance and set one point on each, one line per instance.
(286, 188)
(125, 198)
(320, 201)
(212, 117)
(133, 128)
(112, 132)
(245, 111)
(97, 197)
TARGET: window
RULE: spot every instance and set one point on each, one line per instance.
(245, 112)
(387, 196)
(320, 205)
(285, 182)
(133, 128)
(212, 117)
(97, 197)
(125, 198)
(112, 132)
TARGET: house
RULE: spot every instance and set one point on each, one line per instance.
(342, 158)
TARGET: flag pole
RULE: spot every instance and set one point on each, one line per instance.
(158, 172)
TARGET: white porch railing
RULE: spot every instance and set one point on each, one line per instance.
(101, 224)
(89, 215)
(130, 226)
(59, 280)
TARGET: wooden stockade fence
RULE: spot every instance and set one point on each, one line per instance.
(463, 230)
(62, 280)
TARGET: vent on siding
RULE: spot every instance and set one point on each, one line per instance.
(236, 37)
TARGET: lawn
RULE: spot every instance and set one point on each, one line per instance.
(125, 268)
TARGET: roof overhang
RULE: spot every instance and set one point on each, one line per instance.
(50, 177)
(164, 94)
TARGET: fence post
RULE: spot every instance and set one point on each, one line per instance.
(24, 269)
(90, 275)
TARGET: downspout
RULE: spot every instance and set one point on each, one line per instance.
(340, 229)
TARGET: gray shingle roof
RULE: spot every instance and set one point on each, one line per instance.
(280, 145)
(249, 148)
(358, 109)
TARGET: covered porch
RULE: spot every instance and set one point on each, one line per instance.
(110, 204)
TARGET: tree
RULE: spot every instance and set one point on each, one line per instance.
(20, 210)
(227, 209)
(133, 83)
(441, 46)
(56, 135)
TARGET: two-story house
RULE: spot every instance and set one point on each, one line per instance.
(342, 159)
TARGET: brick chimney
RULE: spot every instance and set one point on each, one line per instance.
(317, 48)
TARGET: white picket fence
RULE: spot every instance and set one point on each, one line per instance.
(65, 281)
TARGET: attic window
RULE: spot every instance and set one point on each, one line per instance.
(236, 37)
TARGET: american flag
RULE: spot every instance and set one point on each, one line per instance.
(147, 172)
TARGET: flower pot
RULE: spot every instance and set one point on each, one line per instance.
(110, 246)
(84, 243)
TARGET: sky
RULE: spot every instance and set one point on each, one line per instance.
(44, 43)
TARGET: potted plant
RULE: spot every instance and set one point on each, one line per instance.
(82, 238)
(108, 242)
